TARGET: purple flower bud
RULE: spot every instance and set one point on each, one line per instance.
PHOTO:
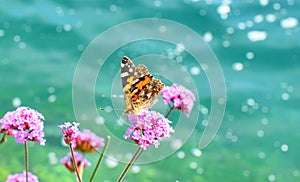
(25, 124)
(22, 177)
(148, 128)
(87, 141)
(70, 132)
(68, 161)
(179, 97)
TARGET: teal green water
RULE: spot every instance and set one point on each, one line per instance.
(256, 42)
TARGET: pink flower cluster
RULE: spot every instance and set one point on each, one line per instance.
(148, 128)
(25, 124)
(87, 141)
(68, 161)
(179, 97)
(70, 132)
(22, 177)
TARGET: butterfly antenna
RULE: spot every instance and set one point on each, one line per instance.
(103, 109)
(120, 117)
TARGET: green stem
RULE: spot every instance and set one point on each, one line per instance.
(100, 158)
(26, 160)
(133, 159)
(74, 162)
(169, 112)
(3, 139)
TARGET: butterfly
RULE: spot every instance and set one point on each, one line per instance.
(140, 87)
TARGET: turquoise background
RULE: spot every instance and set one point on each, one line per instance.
(41, 43)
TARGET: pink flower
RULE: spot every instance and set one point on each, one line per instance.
(179, 97)
(68, 161)
(22, 177)
(25, 124)
(70, 132)
(148, 128)
(87, 141)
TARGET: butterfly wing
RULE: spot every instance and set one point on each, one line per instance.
(127, 71)
(139, 86)
(149, 88)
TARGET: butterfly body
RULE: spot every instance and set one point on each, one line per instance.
(140, 87)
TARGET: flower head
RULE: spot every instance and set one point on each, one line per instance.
(180, 97)
(25, 124)
(70, 132)
(68, 161)
(148, 128)
(87, 141)
(22, 177)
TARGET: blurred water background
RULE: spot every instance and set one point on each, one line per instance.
(257, 43)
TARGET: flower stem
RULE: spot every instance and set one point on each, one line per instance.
(74, 162)
(100, 158)
(81, 168)
(169, 112)
(3, 139)
(26, 160)
(133, 159)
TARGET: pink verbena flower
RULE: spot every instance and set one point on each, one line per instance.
(22, 177)
(148, 128)
(70, 132)
(87, 141)
(68, 161)
(179, 97)
(25, 124)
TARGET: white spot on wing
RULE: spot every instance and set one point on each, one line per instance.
(124, 74)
